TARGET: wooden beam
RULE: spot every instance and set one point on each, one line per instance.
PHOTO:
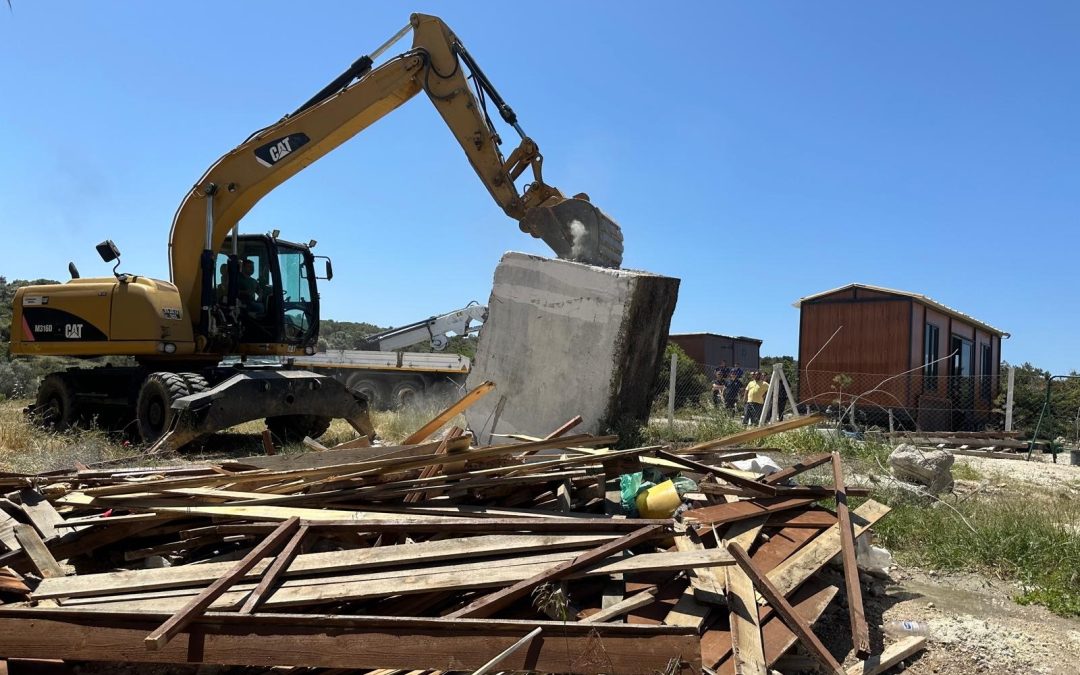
(860, 632)
(566, 427)
(501, 656)
(741, 510)
(752, 434)
(268, 443)
(746, 640)
(635, 601)
(796, 569)
(349, 642)
(493, 602)
(783, 608)
(729, 476)
(797, 468)
(40, 557)
(810, 602)
(893, 654)
(814, 519)
(463, 404)
(161, 635)
(270, 579)
(329, 562)
(40, 511)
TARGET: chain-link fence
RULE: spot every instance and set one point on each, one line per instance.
(924, 399)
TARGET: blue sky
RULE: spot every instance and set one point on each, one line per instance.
(759, 151)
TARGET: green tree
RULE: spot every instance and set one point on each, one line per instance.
(690, 380)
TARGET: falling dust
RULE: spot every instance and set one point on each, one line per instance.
(578, 232)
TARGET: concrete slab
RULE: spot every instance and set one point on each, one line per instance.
(564, 339)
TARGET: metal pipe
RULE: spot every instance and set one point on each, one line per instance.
(389, 43)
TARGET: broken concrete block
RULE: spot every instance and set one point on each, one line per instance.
(564, 339)
(932, 468)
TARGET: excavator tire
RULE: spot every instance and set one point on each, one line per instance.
(196, 383)
(153, 406)
(293, 428)
(55, 407)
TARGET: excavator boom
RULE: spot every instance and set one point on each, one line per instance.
(436, 64)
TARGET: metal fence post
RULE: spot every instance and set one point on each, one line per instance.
(1009, 399)
(671, 392)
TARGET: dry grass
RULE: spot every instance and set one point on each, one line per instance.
(25, 448)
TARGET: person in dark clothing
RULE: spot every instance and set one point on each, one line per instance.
(732, 387)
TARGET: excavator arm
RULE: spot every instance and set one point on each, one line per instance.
(436, 64)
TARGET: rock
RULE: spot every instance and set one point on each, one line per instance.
(931, 468)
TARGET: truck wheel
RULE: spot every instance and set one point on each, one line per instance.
(406, 394)
(293, 428)
(153, 407)
(55, 407)
(372, 390)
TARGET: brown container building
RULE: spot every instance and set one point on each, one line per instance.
(935, 367)
(711, 349)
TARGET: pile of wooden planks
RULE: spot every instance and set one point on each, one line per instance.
(431, 556)
(993, 444)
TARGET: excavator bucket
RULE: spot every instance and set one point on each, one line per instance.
(577, 230)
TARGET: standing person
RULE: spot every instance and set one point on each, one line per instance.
(755, 398)
(732, 386)
(717, 387)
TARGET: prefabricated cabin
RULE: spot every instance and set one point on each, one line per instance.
(712, 350)
(935, 367)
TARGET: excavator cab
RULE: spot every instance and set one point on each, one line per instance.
(276, 299)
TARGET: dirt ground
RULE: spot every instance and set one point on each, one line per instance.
(1041, 471)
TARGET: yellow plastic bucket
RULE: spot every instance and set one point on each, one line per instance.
(659, 501)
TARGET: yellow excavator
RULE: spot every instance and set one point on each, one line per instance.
(244, 295)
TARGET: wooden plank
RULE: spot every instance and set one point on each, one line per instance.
(565, 428)
(636, 601)
(860, 632)
(775, 597)
(741, 510)
(797, 468)
(270, 579)
(40, 557)
(329, 562)
(729, 476)
(688, 611)
(746, 640)
(410, 581)
(799, 567)
(752, 434)
(463, 404)
(350, 642)
(160, 636)
(810, 603)
(990, 455)
(268, 443)
(811, 518)
(781, 545)
(7, 532)
(493, 602)
(706, 585)
(40, 511)
(892, 655)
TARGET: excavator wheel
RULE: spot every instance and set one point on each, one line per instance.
(153, 406)
(293, 428)
(55, 407)
(196, 383)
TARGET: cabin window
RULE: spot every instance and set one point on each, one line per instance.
(986, 370)
(930, 360)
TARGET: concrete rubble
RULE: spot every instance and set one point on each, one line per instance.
(564, 339)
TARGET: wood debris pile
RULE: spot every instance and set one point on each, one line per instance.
(992, 444)
(432, 556)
